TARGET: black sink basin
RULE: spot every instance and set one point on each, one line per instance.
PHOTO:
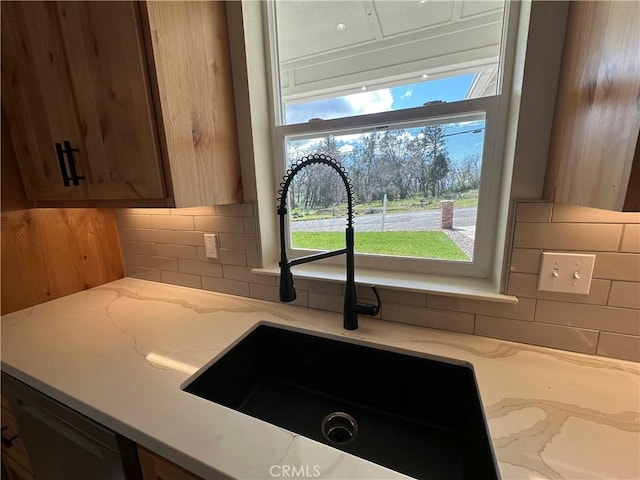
(420, 416)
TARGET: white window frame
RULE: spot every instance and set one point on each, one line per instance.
(494, 107)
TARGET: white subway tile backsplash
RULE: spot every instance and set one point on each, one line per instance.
(630, 239)
(595, 317)
(178, 251)
(134, 221)
(270, 293)
(172, 222)
(426, 317)
(127, 233)
(625, 294)
(200, 268)
(194, 211)
(523, 310)
(131, 259)
(222, 285)
(236, 210)
(324, 301)
(141, 248)
(226, 256)
(235, 272)
(249, 224)
(617, 266)
(160, 263)
(239, 240)
(167, 245)
(564, 213)
(555, 336)
(157, 236)
(526, 285)
(534, 212)
(615, 345)
(142, 211)
(219, 224)
(252, 259)
(568, 236)
(143, 273)
(182, 279)
(189, 238)
(330, 288)
(396, 296)
(525, 260)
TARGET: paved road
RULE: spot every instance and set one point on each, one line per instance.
(463, 218)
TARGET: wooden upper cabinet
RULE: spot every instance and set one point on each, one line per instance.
(76, 72)
(593, 157)
(139, 96)
(192, 65)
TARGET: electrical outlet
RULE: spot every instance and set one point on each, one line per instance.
(566, 272)
(210, 245)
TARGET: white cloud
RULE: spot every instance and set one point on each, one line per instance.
(370, 102)
(408, 93)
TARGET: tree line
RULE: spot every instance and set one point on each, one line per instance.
(393, 162)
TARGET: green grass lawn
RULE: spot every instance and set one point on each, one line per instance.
(432, 244)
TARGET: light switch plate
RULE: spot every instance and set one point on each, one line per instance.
(566, 272)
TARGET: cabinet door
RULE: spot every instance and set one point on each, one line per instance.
(77, 72)
(37, 96)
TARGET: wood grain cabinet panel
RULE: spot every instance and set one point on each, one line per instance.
(77, 72)
(192, 62)
(595, 135)
(142, 93)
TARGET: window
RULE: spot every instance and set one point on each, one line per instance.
(407, 95)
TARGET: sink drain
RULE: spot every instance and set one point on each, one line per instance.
(339, 428)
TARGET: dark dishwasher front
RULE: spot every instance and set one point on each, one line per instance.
(63, 444)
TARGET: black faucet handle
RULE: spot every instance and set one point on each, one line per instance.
(368, 309)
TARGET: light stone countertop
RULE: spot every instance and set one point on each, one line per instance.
(551, 414)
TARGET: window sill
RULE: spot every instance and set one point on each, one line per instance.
(472, 288)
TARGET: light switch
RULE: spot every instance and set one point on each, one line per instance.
(566, 272)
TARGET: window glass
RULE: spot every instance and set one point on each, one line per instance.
(382, 100)
(405, 179)
(343, 58)
(406, 95)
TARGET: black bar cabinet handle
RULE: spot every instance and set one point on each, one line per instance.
(75, 179)
(63, 166)
(67, 151)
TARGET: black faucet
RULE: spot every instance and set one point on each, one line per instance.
(287, 291)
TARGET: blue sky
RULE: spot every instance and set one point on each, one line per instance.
(395, 98)
(446, 89)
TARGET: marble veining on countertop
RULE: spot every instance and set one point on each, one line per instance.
(118, 353)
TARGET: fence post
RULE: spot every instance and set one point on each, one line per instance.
(384, 209)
